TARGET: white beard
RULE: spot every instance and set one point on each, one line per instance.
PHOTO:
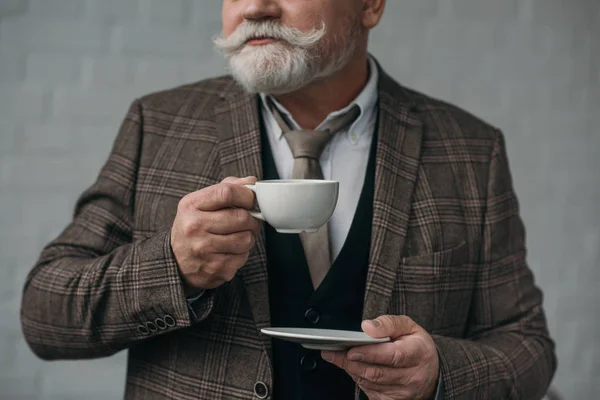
(273, 68)
(287, 65)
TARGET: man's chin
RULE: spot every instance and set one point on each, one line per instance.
(269, 79)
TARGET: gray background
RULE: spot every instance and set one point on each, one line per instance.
(70, 68)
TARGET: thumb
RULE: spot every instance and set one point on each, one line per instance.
(249, 180)
(392, 326)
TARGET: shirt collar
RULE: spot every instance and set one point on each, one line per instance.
(366, 101)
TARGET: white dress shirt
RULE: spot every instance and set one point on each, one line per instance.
(344, 159)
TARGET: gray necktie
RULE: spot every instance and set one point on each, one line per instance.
(307, 146)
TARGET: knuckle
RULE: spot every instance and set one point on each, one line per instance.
(247, 239)
(406, 380)
(198, 271)
(192, 201)
(373, 374)
(387, 320)
(206, 245)
(403, 320)
(398, 357)
(208, 269)
(202, 245)
(188, 226)
(198, 248)
(225, 193)
(360, 381)
(214, 267)
(242, 216)
(185, 202)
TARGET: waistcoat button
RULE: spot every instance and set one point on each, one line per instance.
(308, 364)
(312, 316)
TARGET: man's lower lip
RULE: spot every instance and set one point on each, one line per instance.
(260, 42)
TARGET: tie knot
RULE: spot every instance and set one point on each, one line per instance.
(307, 143)
(311, 143)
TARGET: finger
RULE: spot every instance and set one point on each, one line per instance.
(392, 326)
(365, 384)
(231, 220)
(235, 243)
(376, 374)
(249, 180)
(221, 196)
(392, 354)
(334, 357)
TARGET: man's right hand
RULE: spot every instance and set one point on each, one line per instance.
(213, 233)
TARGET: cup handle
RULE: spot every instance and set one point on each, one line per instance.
(255, 214)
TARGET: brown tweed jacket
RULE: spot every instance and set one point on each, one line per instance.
(448, 250)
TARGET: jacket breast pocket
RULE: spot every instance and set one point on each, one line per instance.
(436, 289)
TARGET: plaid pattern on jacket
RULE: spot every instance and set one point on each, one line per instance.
(448, 250)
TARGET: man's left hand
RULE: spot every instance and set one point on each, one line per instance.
(407, 367)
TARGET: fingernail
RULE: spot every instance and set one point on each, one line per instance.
(356, 357)
(327, 356)
(375, 323)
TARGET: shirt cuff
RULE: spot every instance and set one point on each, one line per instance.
(192, 300)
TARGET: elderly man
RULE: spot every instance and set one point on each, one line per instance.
(426, 245)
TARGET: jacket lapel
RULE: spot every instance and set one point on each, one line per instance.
(397, 164)
(240, 155)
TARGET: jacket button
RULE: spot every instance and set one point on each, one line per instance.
(261, 390)
(143, 330)
(308, 364)
(312, 316)
(170, 321)
(151, 327)
(160, 323)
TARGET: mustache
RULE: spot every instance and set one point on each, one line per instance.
(249, 30)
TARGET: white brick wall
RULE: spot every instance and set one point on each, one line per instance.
(69, 69)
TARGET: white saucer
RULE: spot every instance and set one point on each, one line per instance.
(323, 339)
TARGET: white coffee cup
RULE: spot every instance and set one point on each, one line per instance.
(295, 205)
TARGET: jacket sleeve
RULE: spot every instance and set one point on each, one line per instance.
(507, 352)
(94, 291)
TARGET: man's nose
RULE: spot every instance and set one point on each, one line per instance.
(262, 9)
